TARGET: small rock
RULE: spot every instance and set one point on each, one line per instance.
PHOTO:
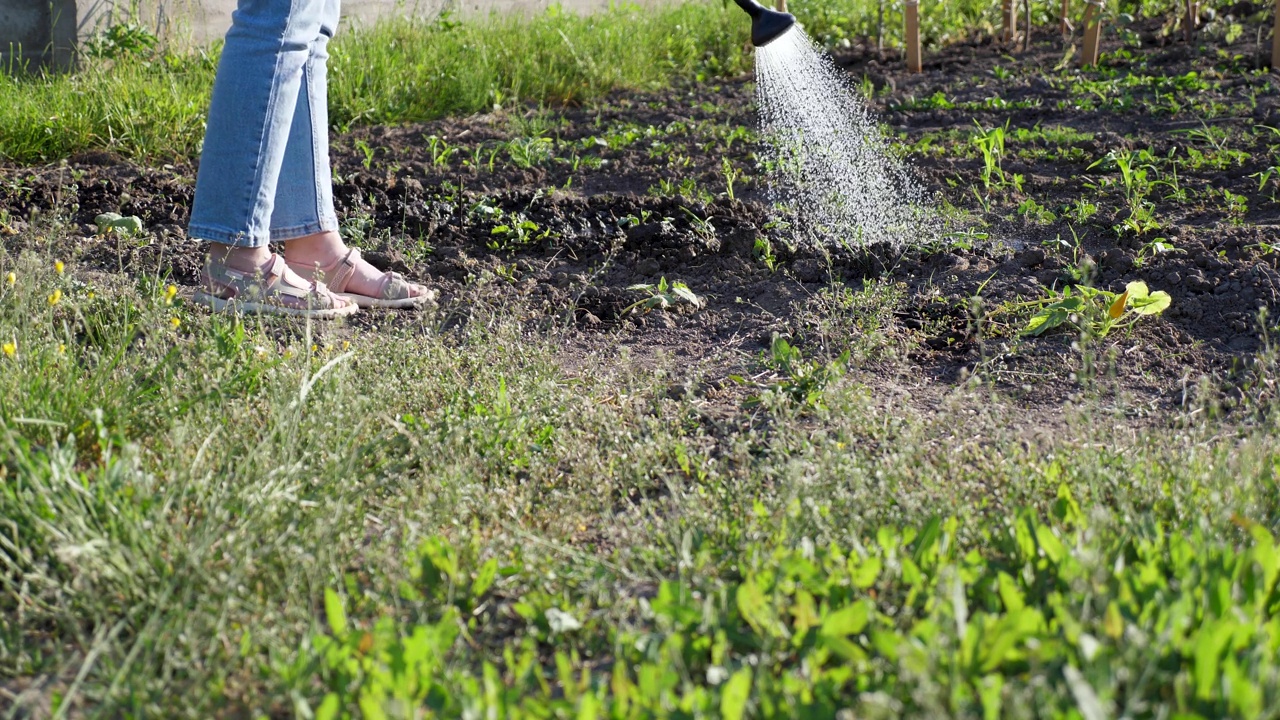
(648, 266)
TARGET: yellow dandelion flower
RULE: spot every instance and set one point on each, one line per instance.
(58, 267)
(314, 347)
(10, 349)
(56, 297)
(175, 322)
(11, 279)
(170, 293)
(62, 348)
(346, 344)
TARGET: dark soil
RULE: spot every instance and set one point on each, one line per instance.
(599, 220)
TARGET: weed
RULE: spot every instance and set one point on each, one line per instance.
(1094, 312)
(662, 296)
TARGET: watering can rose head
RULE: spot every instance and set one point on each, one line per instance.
(766, 25)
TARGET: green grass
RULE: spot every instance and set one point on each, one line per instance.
(205, 516)
(149, 102)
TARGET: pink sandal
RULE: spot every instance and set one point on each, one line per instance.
(394, 291)
(269, 292)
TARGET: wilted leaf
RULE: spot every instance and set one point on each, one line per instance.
(1117, 307)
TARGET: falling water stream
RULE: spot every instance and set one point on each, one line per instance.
(831, 173)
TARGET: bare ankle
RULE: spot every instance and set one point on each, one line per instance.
(323, 246)
(245, 259)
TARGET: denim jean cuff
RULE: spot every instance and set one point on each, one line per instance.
(325, 224)
(226, 236)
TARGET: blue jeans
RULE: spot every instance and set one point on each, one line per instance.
(264, 170)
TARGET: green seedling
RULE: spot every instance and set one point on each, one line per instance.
(440, 150)
(1264, 178)
(118, 224)
(517, 232)
(662, 296)
(731, 175)
(1134, 171)
(368, 153)
(763, 252)
(529, 152)
(1093, 311)
(800, 381)
(990, 143)
(1155, 247)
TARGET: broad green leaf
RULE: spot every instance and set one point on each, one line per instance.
(1210, 642)
(733, 700)
(1154, 304)
(681, 290)
(484, 578)
(329, 707)
(1047, 319)
(1137, 290)
(1112, 621)
(847, 620)
(757, 610)
(1050, 544)
(867, 573)
(588, 707)
(371, 708)
(334, 612)
(1010, 594)
(989, 690)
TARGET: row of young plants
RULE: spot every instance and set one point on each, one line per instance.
(1027, 615)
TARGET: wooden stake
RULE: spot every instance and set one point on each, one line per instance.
(1275, 40)
(1026, 34)
(1066, 22)
(1189, 21)
(911, 12)
(782, 5)
(1010, 21)
(1092, 28)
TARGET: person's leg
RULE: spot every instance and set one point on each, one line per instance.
(304, 217)
(250, 114)
(304, 195)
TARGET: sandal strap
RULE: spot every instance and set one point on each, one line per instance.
(336, 276)
(264, 284)
(394, 287)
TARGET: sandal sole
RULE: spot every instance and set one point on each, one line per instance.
(410, 303)
(223, 305)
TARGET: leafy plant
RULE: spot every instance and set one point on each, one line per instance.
(990, 143)
(1096, 312)
(803, 381)
(126, 226)
(517, 231)
(662, 296)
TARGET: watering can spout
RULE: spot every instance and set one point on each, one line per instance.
(766, 24)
